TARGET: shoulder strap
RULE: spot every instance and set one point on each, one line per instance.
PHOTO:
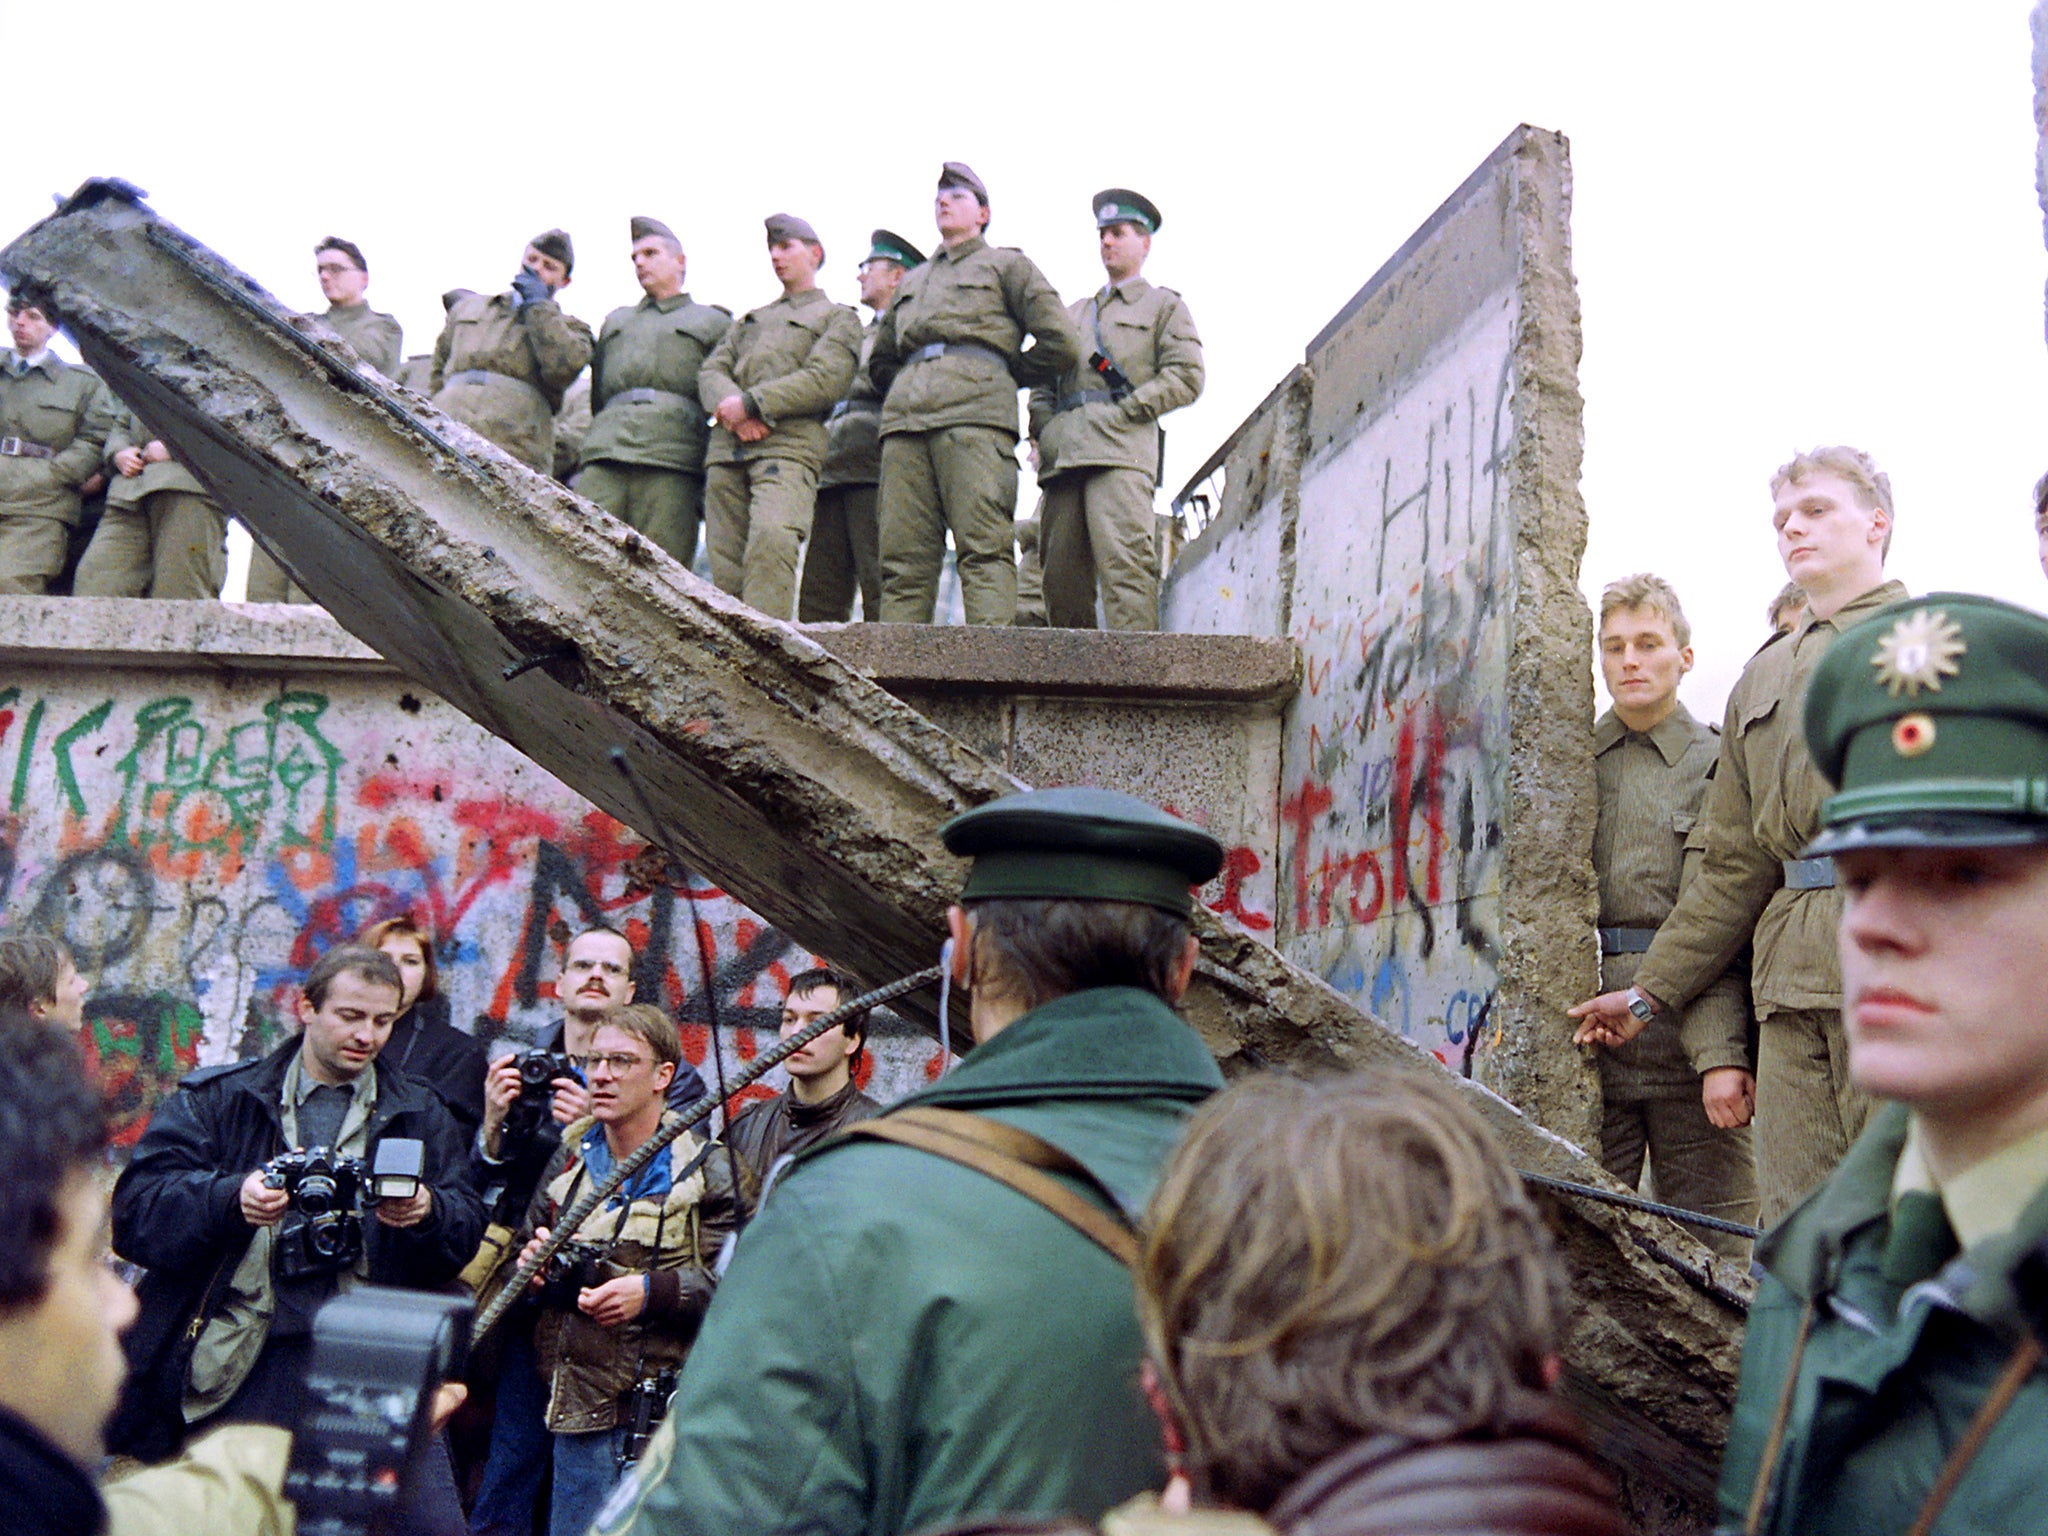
(1012, 1157)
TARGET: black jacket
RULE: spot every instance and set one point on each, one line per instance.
(178, 1213)
(43, 1491)
(425, 1045)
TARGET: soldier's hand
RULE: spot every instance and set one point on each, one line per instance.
(154, 452)
(1605, 1020)
(409, 1212)
(615, 1302)
(129, 461)
(731, 412)
(530, 286)
(1729, 1096)
(572, 1100)
(263, 1206)
(94, 484)
(750, 430)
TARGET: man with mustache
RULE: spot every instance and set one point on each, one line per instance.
(1892, 1376)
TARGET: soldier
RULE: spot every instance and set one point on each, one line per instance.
(643, 458)
(1682, 1092)
(769, 382)
(54, 420)
(1833, 514)
(1098, 434)
(948, 359)
(845, 547)
(162, 535)
(344, 275)
(914, 1328)
(1892, 1374)
(503, 361)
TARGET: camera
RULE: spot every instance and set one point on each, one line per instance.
(365, 1419)
(538, 1070)
(324, 1232)
(572, 1268)
(641, 1411)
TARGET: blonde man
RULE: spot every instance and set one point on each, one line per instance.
(1682, 1092)
(1832, 511)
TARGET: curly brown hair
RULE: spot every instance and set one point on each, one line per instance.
(1330, 1258)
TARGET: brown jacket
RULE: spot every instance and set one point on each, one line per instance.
(765, 1131)
(1149, 334)
(502, 367)
(789, 361)
(375, 336)
(1764, 808)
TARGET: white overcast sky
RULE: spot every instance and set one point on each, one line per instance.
(1795, 222)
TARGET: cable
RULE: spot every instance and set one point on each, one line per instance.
(1637, 1203)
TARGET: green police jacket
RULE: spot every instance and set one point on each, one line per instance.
(790, 360)
(853, 432)
(901, 1341)
(1891, 1375)
(643, 384)
(61, 407)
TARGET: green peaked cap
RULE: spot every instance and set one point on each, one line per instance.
(1931, 719)
(1120, 205)
(887, 245)
(1082, 844)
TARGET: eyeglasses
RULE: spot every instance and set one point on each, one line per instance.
(620, 1062)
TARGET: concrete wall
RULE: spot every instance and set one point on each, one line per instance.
(1406, 509)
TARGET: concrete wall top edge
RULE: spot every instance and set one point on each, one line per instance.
(139, 632)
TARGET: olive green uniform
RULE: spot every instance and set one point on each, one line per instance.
(643, 459)
(161, 534)
(948, 358)
(845, 550)
(377, 337)
(1646, 848)
(1763, 808)
(502, 367)
(54, 420)
(1099, 457)
(789, 361)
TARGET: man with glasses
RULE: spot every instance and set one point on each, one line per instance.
(618, 1314)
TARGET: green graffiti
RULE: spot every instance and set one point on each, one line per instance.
(67, 776)
(25, 756)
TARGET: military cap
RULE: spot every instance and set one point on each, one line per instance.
(1931, 719)
(1120, 205)
(1082, 844)
(555, 243)
(784, 227)
(955, 174)
(887, 245)
(643, 226)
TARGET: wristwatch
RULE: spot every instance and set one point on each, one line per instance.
(1640, 1005)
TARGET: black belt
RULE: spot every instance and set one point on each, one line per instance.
(647, 397)
(21, 448)
(1626, 941)
(1081, 397)
(854, 408)
(1809, 874)
(941, 348)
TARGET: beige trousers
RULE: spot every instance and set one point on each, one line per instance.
(757, 515)
(1099, 531)
(961, 480)
(173, 544)
(1807, 1111)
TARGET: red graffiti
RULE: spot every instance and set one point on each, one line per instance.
(1239, 864)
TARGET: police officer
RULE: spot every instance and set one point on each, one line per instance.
(845, 548)
(505, 359)
(948, 358)
(643, 457)
(768, 384)
(1892, 1376)
(1098, 433)
(54, 420)
(908, 1335)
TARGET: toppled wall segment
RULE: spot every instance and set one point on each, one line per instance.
(796, 784)
(1405, 505)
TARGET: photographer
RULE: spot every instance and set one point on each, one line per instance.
(242, 1247)
(621, 1303)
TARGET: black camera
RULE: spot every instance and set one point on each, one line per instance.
(365, 1417)
(538, 1070)
(572, 1268)
(324, 1232)
(641, 1411)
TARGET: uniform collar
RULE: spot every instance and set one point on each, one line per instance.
(805, 299)
(666, 306)
(1881, 596)
(963, 250)
(1672, 736)
(46, 362)
(1130, 290)
(1983, 1202)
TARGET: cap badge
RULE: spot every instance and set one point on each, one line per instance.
(1106, 211)
(1913, 734)
(1919, 652)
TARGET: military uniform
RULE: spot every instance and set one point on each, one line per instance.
(643, 460)
(1891, 1372)
(1762, 809)
(948, 359)
(902, 1340)
(377, 337)
(789, 360)
(1099, 447)
(54, 420)
(161, 536)
(502, 365)
(1646, 846)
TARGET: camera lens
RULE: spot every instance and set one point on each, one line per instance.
(326, 1238)
(317, 1194)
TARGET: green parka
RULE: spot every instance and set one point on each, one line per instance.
(902, 1341)
(1892, 1374)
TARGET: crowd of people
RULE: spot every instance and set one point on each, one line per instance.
(797, 440)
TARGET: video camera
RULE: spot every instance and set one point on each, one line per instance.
(364, 1429)
(329, 1191)
(571, 1269)
(538, 1070)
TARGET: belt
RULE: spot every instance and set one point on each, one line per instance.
(479, 375)
(21, 448)
(1809, 874)
(1081, 397)
(648, 397)
(941, 348)
(854, 408)
(1626, 941)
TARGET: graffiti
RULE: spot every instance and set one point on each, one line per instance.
(198, 850)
